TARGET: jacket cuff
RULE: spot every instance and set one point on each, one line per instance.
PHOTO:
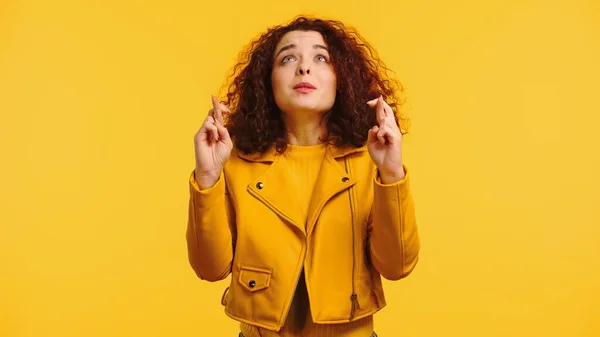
(405, 181)
(205, 198)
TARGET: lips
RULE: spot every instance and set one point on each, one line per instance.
(304, 85)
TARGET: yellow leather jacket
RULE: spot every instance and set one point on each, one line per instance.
(358, 230)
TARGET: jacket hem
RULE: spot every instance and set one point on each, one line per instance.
(277, 328)
(346, 320)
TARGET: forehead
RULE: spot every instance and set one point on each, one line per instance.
(299, 38)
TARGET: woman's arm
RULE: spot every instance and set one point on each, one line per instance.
(211, 230)
(394, 239)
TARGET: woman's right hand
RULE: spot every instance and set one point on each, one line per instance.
(212, 146)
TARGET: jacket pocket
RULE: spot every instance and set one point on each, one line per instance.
(254, 279)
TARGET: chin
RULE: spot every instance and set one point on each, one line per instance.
(309, 104)
(313, 108)
(306, 104)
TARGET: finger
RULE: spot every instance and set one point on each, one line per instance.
(392, 133)
(372, 103)
(211, 129)
(218, 124)
(372, 136)
(211, 112)
(223, 133)
(381, 135)
(218, 109)
(382, 132)
(224, 112)
(389, 114)
(209, 126)
(380, 110)
(208, 120)
(387, 109)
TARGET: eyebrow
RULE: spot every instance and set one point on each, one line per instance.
(292, 46)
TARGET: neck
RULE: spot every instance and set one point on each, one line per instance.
(304, 130)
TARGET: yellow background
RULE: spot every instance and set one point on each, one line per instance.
(100, 100)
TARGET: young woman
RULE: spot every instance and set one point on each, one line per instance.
(300, 191)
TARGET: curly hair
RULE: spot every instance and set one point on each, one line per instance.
(256, 123)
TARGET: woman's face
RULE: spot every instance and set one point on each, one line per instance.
(303, 78)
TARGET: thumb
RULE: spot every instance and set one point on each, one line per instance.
(372, 137)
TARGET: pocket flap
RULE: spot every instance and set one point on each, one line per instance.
(254, 279)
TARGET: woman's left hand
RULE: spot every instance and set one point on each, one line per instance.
(385, 143)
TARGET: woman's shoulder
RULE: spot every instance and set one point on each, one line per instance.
(265, 156)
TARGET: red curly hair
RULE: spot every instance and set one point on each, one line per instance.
(256, 123)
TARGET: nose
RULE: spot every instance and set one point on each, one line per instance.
(303, 69)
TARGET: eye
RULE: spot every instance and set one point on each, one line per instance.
(288, 58)
(321, 58)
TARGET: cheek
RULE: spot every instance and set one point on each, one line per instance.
(276, 82)
(330, 82)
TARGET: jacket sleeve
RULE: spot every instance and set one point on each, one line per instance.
(211, 230)
(394, 241)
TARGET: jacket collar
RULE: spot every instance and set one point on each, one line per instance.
(271, 153)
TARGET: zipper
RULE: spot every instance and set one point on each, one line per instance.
(353, 296)
(370, 263)
(303, 253)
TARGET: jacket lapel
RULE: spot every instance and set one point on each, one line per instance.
(275, 190)
(332, 179)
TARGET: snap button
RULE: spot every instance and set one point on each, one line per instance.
(345, 179)
(260, 185)
(252, 284)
